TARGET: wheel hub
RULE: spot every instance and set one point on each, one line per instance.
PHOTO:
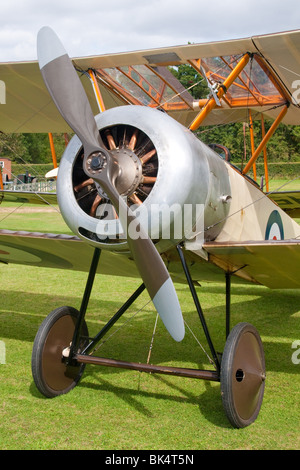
(243, 375)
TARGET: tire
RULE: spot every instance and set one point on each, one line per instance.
(51, 374)
(242, 375)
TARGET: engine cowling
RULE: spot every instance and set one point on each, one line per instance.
(173, 181)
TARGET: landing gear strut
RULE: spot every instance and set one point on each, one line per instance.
(62, 347)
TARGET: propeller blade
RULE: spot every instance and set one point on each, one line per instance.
(64, 85)
(149, 263)
(69, 96)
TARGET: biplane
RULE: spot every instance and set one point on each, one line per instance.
(134, 153)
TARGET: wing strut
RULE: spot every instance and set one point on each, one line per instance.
(266, 139)
(221, 92)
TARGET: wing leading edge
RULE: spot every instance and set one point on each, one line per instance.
(46, 250)
(274, 264)
(29, 197)
(58, 251)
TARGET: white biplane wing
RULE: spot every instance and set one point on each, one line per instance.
(144, 78)
(29, 108)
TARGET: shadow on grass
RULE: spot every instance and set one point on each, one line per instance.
(208, 402)
(271, 312)
(20, 319)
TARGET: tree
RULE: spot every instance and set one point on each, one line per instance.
(31, 148)
(191, 80)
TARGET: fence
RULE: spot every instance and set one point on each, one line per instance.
(37, 186)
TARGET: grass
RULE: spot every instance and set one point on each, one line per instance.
(277, 184)
(31, 217)
(114, 409)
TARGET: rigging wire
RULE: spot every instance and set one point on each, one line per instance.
(152, 339)
(130, 319)
(12, 211)
(198, 342)
(121, 326)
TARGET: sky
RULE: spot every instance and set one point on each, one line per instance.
(95, 27)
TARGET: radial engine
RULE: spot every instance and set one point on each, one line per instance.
(178, 187)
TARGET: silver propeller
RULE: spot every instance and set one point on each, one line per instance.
(69, 96)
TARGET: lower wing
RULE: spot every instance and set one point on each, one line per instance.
(289, 201)
(273, 263)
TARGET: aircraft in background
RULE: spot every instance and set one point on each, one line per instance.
(142, 147)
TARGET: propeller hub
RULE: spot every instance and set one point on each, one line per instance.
(130, 174)
(96, 162)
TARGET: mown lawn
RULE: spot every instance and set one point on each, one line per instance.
(114, 409)
(118, 409)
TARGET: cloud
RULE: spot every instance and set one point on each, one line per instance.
(94, 27)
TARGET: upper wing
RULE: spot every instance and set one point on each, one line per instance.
(265, 83)
(273, 263)
(28, 106)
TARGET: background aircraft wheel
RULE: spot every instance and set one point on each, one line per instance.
(242, 375)
(51, 374)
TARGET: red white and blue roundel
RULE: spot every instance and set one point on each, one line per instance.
(274, 230)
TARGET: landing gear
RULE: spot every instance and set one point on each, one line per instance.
(242, 375)
(51, 373)
(62, 348)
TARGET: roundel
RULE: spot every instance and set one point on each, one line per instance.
(274, 230)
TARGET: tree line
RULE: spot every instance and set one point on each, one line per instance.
(30, 148)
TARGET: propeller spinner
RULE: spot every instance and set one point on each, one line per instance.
(69, 96)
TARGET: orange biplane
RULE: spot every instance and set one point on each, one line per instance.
(136, 185)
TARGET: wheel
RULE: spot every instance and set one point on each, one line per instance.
(51, 374)
(242, 375)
